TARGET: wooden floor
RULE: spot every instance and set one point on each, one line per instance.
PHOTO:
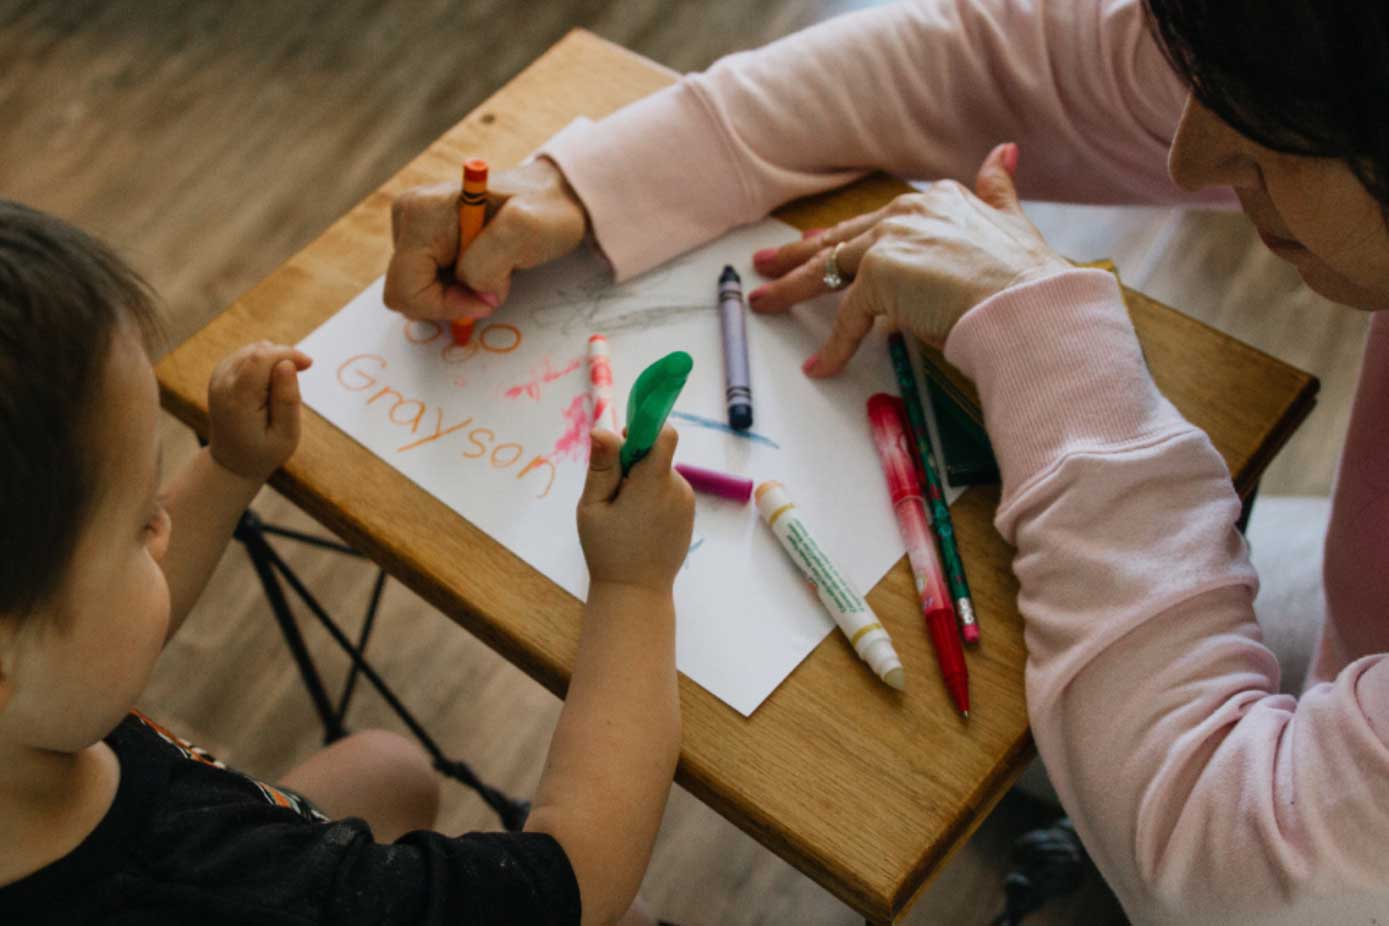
(209, 141)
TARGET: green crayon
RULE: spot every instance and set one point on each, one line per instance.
(935, 492)
(653, 396)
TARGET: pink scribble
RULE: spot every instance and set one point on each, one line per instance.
(573, 443)
(544, 377)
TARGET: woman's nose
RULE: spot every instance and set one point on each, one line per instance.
(1206, 152)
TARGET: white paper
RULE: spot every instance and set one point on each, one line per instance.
(745, 617)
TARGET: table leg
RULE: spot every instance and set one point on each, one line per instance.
(1247, 509)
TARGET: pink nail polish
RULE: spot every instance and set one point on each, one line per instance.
(810, 363)
(757, 295)
(490, 299)
(1010, 157)
(766, 255)
(811, 233)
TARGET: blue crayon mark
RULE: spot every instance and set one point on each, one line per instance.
(723, 426)
(694, 546)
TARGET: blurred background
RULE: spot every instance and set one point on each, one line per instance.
(210, 141)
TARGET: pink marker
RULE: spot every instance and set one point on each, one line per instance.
(713, 482)
(600, 384)
(885, 414)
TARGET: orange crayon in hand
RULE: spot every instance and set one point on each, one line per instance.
(472, 211)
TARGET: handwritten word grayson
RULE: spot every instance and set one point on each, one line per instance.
(362, 373)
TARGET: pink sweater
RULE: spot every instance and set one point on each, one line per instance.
(1203, 795)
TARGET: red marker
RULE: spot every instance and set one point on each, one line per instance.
(885, 414)
(472, 212)
(600, 384)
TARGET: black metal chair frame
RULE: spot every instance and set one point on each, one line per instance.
(271, 569)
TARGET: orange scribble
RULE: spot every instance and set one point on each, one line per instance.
(503, 329)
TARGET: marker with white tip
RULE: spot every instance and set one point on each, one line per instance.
(865, 632)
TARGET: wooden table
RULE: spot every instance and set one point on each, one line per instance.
(865, 793)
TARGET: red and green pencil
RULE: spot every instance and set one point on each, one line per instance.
(935, 492)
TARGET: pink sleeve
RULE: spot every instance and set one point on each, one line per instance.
(1356, 568)
(1204, 796)
(922, 90)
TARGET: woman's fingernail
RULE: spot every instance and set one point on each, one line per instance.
(764, 256)
(811, 233)
(757, 295)
(810, 363)
(1010, 157)
(490, 299)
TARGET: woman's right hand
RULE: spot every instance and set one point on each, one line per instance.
(635, 531)
(533, 217)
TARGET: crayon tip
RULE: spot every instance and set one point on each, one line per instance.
(475, 170)
(896, 678)
(729, 274)
(462, 331)
(970, 633)
(740, 417)
(964, 714)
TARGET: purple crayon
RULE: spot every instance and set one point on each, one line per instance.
(737, 379)
(713, 482)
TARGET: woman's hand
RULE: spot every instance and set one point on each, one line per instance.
(533, 217)
(635, 531)
(254, 407)
(923, 261)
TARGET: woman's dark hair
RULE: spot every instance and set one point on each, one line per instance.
(1303, 77)
(63, 295)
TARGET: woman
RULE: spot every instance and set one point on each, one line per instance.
(1203, 795)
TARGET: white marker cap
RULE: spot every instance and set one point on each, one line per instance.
(771, 497)
(877, 651)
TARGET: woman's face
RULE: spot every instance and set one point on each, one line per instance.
(1311, 212)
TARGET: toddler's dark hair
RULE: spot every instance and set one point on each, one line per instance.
(63, 295)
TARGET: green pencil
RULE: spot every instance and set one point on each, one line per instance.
(935, 493)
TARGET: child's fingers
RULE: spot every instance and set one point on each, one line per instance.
(284, 399)
(258, 361)
(604, 467)
(662, 453)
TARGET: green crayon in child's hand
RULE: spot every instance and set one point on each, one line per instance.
(653, 396)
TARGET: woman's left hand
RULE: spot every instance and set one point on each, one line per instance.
(923, 261)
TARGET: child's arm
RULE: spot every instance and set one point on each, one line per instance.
(253, 406)
(614, 750)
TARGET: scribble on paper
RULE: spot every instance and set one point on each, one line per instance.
(573, 443)
(546, 375)
(593, 303)
(723, 427)
(694, 545)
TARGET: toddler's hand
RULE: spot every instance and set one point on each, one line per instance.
(635, 531)
(253, 406)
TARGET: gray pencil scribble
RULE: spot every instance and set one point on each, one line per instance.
(594, 304)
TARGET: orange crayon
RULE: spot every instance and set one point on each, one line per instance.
(472, 211)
